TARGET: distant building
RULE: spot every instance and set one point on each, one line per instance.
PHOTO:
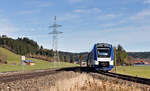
(29, 62)
(147, 62)
(4, 36)
(138, 62)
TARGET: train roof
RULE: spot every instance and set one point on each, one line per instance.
(103, 45)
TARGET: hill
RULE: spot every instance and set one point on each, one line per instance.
(140, 55)
(14, 62)
(30, 48)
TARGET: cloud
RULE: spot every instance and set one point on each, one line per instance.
(6, 27)
(108, 24)
(44, 4)
(140, 18)
(141, 15)
(88, 11)
(68, 17)
(147, 1)
(76, 1)
(108, 16)
(79, 1)
(40, 3)
(29, 12)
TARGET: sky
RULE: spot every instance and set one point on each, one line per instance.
(84, 22)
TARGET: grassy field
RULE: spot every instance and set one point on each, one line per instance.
(14, 63)
(140, 71)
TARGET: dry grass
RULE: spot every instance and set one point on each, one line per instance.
(42, 83)
(85, 82)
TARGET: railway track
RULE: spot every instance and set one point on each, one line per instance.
(127, 77)
(10, 78)
(145, 81)
(22, 76)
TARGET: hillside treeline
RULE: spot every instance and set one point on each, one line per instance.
(140, 55)
(30, 48)
(22, 46)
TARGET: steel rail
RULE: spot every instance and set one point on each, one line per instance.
(127, 77)
(22, 76)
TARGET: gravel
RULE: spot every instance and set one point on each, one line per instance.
(37, 83)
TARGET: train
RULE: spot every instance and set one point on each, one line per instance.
(101, 57)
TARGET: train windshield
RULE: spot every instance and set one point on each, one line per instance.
(103, 52)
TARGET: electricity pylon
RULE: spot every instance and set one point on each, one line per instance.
(55, 33)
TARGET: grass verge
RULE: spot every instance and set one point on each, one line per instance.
(139, 71)
(14, 63)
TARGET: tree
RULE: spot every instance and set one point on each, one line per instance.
(71, 58)
(121, 56)
(114, 49)
(3, 59)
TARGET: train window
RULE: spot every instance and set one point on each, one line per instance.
(103, 52)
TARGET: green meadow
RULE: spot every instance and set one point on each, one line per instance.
(14, 63)
(139, 71)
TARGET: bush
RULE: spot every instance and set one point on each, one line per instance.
(3, 59)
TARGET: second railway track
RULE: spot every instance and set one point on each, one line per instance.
(10, 78)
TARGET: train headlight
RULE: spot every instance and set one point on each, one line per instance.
(96, 62)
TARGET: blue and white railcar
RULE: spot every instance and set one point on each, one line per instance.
(101, 57)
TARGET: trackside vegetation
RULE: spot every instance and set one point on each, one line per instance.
(121, 56)
(139, 71)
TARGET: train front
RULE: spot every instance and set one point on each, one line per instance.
(104, 57)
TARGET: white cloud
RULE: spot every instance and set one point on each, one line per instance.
(88, 11)
(6, 27)
(29, 12)
(108, 24)
(44, 4)
(79, 1)
(69, 17)
(140, 18)
(108, 16)
(147, 1)
(141, 15)
(78, 11)
(40, 3)
(76, 1)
